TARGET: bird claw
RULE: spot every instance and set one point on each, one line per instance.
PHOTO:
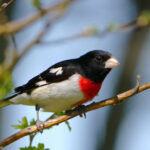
(82, 110)
(40, 125)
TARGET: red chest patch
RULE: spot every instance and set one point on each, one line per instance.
(89, 88)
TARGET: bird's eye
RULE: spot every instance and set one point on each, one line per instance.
(99, 59)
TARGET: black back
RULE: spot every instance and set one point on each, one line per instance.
(90, 65)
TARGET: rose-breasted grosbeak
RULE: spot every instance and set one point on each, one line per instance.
(66, 84)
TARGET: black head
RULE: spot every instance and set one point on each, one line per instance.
(97, 64)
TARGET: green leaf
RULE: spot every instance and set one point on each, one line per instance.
(5, 83)
(60, 114)
(68, 125)
(146, 13)
(28, 148)
(112, 27)
(91, 30)
(37, 3)
(22, 124)
(144, 18)
(32, 122)
(39, 147)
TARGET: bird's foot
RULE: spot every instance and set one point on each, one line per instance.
(82, 110)
(40, 125)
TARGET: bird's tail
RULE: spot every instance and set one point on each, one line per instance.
(6, 102)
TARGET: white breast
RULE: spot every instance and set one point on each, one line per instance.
(54, 97)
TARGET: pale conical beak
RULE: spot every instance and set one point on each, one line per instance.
(111, 63)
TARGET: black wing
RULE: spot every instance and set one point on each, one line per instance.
(68, 68)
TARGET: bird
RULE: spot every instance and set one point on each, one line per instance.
(66, 84)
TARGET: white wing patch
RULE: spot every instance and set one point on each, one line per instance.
(58, 70)
(40, 83)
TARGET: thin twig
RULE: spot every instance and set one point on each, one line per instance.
(92, 32)
(23, 52)
(49, 123)
(86, 33)
(33, 42)
(129, 25)
(13, 40)
(4, 5)
(23, 22)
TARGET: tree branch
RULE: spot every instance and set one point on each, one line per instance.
(4, 5)
(73, 113)
(95, 32)
(18, 56)
(85, 33)
(19, 24)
